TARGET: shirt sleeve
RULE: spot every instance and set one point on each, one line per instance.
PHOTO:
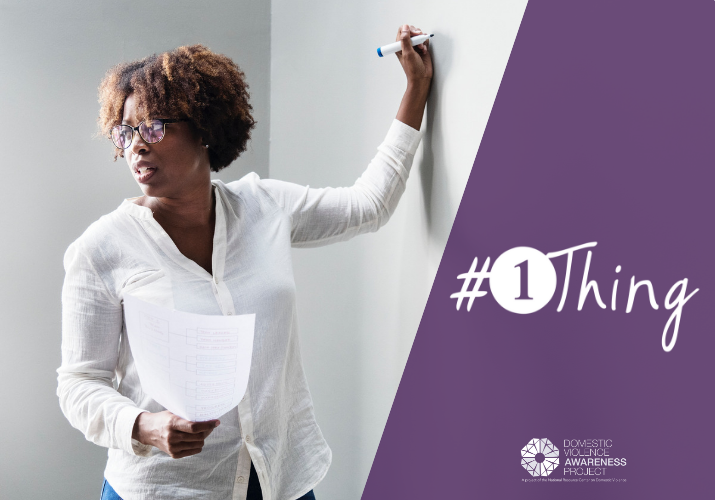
(327, 215)
(91, 327)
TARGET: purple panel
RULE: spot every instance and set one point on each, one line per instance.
(603, 131)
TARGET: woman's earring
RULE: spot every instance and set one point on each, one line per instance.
(206, 145)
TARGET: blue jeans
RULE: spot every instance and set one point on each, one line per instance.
(108, 492)
(254, 490)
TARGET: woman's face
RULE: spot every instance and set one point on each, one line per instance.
(171, 168)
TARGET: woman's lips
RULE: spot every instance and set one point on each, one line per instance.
(144, 173)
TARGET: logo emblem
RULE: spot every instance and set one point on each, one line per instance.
(540, 457)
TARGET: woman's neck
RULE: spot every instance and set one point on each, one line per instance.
(195, 209)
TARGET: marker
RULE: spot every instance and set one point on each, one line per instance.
(391, 48)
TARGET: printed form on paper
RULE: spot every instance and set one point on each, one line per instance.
(194, 365)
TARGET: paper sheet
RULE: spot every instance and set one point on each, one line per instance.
(194, 365)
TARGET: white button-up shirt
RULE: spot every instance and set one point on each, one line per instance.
(257, 222)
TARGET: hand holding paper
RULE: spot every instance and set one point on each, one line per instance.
(173, 435)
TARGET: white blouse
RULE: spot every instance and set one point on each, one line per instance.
(257, 222)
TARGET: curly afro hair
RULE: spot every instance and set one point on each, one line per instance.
(190, 82)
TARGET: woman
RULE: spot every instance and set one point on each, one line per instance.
(206, 247)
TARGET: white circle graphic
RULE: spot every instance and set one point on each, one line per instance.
(522, 280)
(547, 460)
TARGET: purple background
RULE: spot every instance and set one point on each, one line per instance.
(603, 130)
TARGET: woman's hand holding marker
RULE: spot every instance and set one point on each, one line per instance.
(416, 61)
(417, 64)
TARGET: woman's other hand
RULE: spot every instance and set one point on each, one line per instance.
(416, 61)
(173, 435)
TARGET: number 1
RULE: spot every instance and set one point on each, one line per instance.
(524, 278)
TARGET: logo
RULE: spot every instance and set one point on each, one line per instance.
(540, 457)
(523, 280)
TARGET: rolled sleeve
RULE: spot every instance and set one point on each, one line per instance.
(403, 137)
(125, 426)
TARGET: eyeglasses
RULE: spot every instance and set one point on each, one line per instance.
(152, 131)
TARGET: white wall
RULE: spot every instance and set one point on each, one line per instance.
(332, 101)
(56, 180)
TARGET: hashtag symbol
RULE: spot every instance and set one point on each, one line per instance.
(468, 277)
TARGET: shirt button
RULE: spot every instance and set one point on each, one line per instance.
(248, 439)
(241, 479)
(216, 280)
(229, 313)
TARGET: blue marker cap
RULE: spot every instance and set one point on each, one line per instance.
(379, 52)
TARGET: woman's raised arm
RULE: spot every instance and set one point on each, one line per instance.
(327, 215)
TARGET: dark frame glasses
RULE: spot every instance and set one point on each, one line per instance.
(151, 131)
